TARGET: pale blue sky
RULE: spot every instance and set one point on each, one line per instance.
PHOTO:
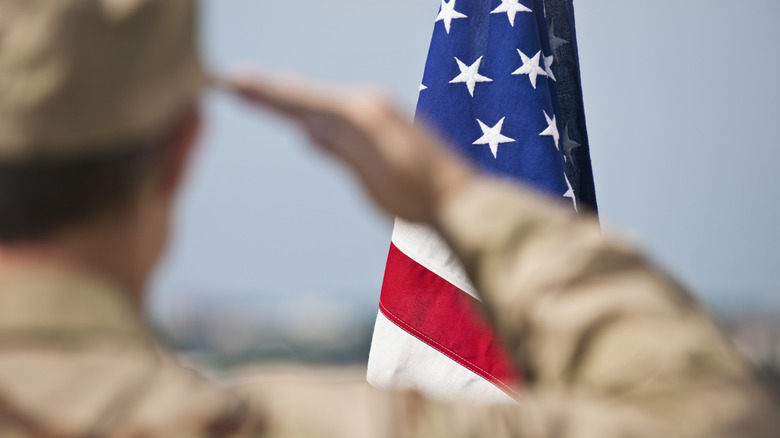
(682, 109)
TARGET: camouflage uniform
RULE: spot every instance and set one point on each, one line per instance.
(610, 347)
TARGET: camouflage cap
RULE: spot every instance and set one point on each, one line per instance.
(77, 76)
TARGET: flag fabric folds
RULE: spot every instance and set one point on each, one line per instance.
(502, 86)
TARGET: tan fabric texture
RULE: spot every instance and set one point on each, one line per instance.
(606, 342)
(610, 348)
(78, 76)
(76, 360)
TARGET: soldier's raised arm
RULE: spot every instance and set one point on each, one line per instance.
(610, 346)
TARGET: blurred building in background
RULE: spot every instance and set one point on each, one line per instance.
(218, 336)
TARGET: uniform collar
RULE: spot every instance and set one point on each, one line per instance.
(62, 303)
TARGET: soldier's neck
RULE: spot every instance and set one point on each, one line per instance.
(110, 251)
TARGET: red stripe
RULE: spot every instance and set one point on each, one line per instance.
(446, 318)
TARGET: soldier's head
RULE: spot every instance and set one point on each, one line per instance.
(98, 111)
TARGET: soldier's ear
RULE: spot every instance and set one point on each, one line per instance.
(180, 151)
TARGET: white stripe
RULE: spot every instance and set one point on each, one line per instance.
(399, 361)
(425, 246)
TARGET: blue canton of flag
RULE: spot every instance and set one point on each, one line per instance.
(502, 85)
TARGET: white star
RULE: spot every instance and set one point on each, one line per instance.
(570, 193)
(469, 74)
(511, 7)
(448, 13)
(492, 136)
(423, 87)
(530, 67)
(552, 129)
(548, 62)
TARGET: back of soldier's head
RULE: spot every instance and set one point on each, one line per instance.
(89, 92)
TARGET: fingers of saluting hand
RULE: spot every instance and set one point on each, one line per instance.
(335, 117)
(287, 94)
(302, 99)
(404, 168)
(314, 107)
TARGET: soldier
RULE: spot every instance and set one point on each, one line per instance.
(98, 115)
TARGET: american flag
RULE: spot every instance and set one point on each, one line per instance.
(502, 85)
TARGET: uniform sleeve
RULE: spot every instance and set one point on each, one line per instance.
(606, 342)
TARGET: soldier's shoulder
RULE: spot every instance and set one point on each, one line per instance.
(112, 390)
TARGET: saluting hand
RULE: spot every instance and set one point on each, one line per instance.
(404, 167)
